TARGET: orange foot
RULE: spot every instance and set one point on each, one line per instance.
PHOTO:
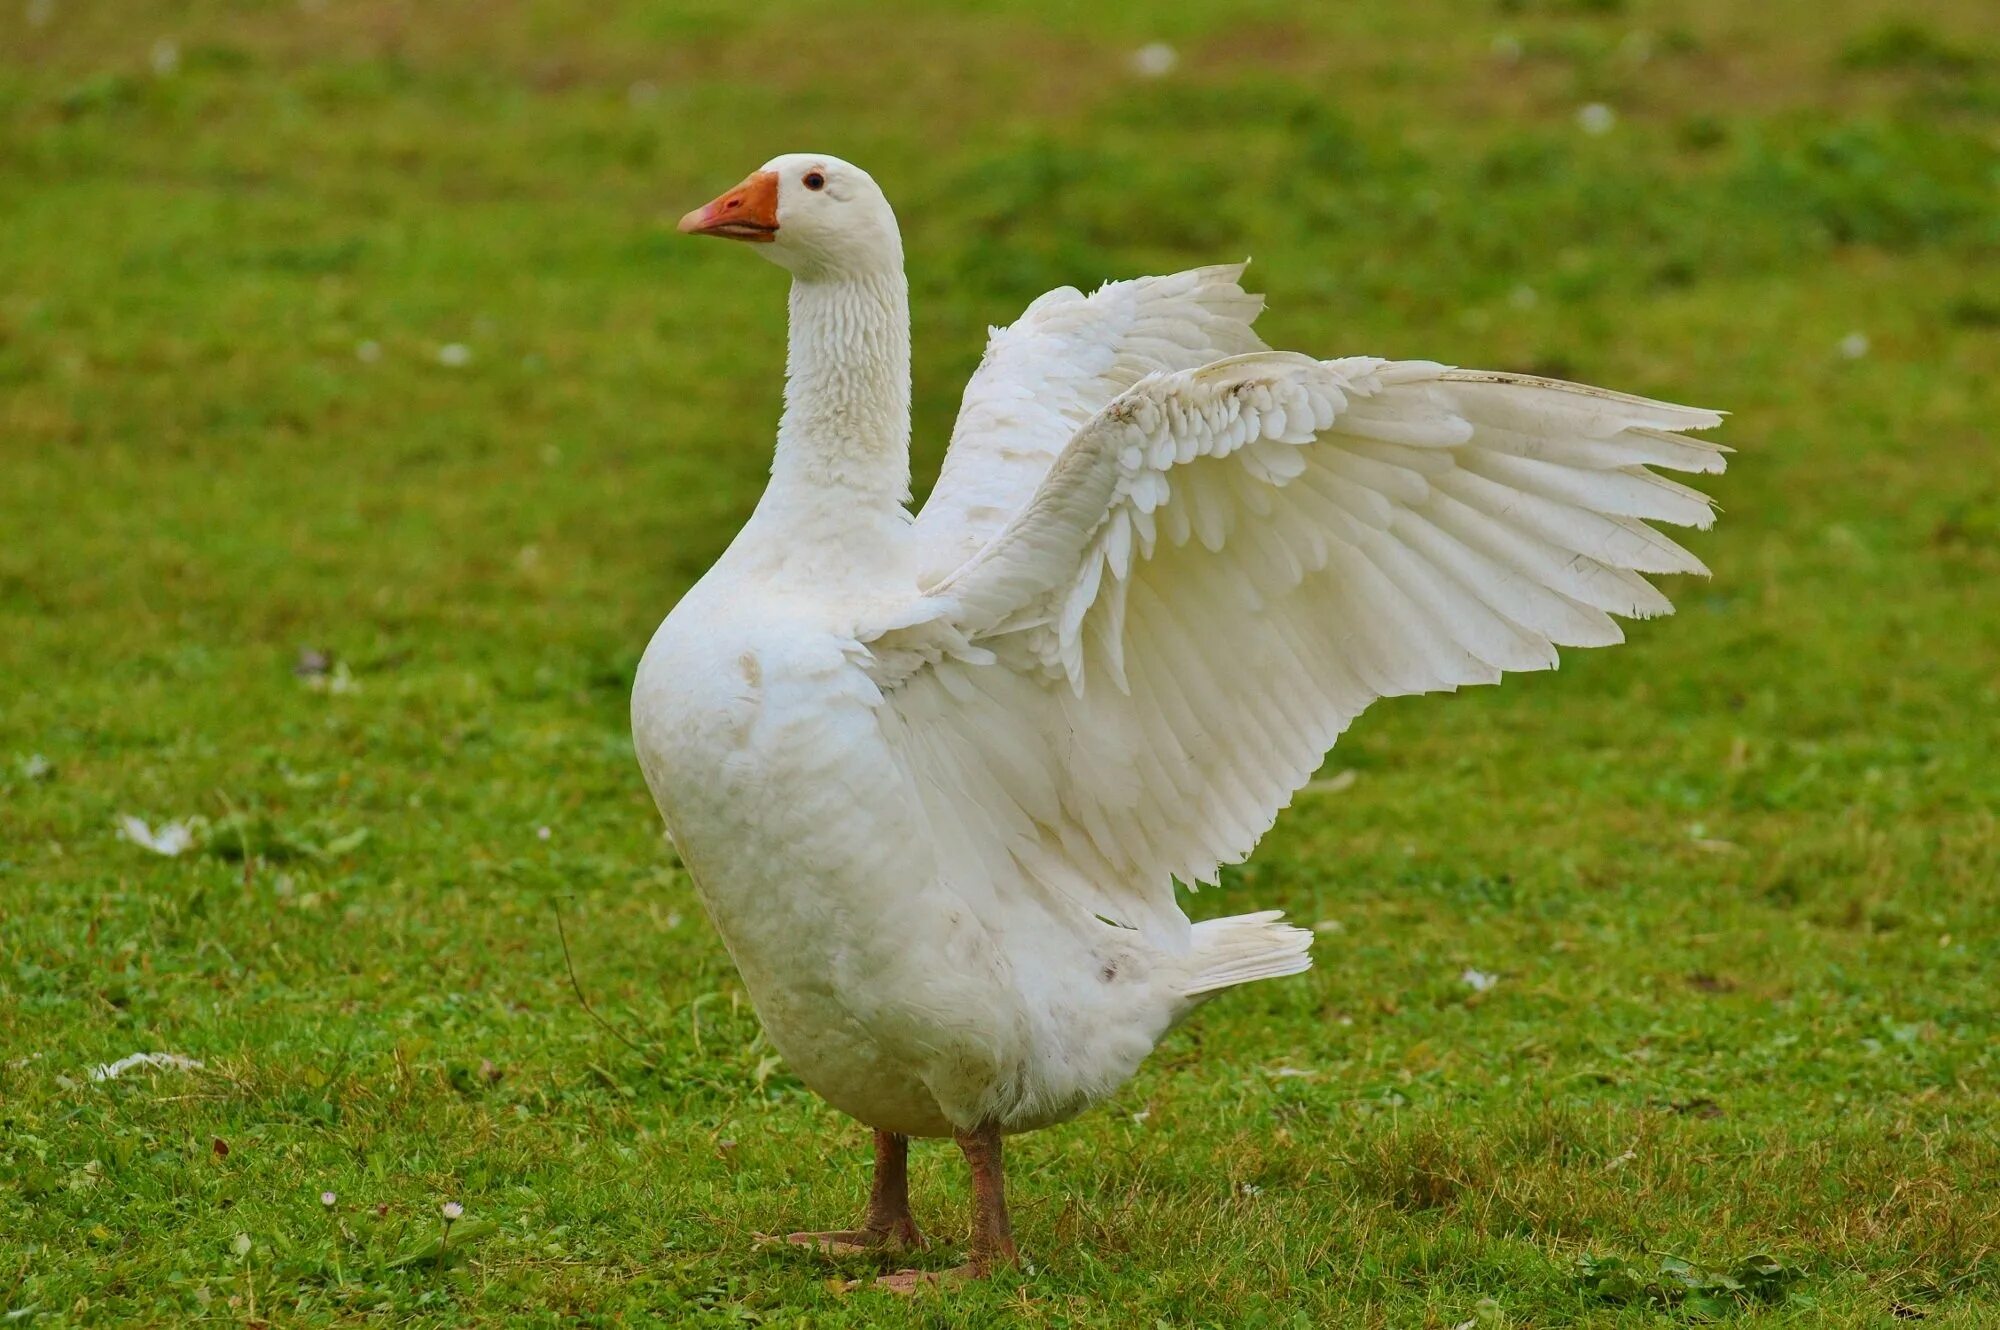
(907, 1282)
(849, 1241)
(842, 1242)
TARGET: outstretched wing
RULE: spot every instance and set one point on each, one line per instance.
(1058, 365)
(1227, 564)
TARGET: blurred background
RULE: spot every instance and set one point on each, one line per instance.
(361, 415)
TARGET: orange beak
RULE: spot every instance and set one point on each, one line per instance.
(747, 212)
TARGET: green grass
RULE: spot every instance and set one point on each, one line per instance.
(1738, 878)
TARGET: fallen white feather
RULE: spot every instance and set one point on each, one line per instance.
(1155, 60)
(169, 838)
(1478, 980)
(111, 1071)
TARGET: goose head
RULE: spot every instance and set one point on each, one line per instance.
(813, 214)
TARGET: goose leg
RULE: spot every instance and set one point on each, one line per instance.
(888, 1222)
(992, 1231)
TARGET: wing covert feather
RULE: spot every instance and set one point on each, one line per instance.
(1058, 365)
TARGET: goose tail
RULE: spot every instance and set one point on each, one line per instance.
(1244, 947)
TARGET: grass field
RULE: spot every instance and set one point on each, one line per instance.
(360, 416)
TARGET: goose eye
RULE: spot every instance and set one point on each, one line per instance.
(814, 180)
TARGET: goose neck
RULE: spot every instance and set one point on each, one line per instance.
(845, 435)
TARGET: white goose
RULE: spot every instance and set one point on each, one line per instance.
(933, 777)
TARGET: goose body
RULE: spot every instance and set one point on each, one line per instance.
(904, 994)
(933, 776)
